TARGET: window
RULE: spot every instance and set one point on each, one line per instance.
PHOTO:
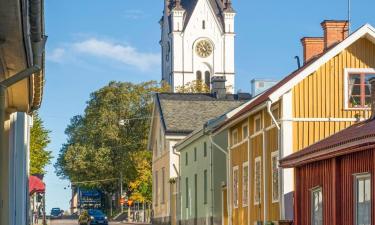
(195, 154)
(187, 192)
(203, 24)
(257, 123)
(156, 188)
(205, 149)
(245, 183)
(234, 137)
(245, 131)
(205, 186)
(363, 199)
(199, 75)
(359, 90)
(235, 186)
(275, 176)
(207, 78)
(186, 159)
(257, 180)
(163, 185)
(317, 206)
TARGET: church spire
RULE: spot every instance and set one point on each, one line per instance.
(228, 6)
(177, 5)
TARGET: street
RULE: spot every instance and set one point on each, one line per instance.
(73, 222)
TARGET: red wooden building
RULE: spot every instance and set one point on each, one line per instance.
(335, 178)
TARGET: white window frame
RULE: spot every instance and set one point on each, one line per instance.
(163, 185)
(348, 71)
(255, 125)
(235, 131)
(156, 188)
(355, 194)
(235, 189)
(245, 193)
(312, 191)
(257, 160)
(275, 154)
(247, 129)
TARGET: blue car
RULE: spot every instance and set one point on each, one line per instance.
(56, 213)
(97, 217)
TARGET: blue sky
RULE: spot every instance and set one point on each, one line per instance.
(92, 42)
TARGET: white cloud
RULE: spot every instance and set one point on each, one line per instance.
(56, 55)
(125, 54)
(134, 14)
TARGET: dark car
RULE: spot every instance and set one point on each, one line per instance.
(97, 217)
(56, 213)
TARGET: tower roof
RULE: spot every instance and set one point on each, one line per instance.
(189, 5)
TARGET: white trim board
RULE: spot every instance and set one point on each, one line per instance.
(366, 31)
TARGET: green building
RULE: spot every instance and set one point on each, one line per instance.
(203, 174)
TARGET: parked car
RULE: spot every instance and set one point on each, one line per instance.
(56, 213)
(97, 217)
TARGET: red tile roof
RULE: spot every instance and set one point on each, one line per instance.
(346, 141)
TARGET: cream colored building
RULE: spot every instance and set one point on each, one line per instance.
(175, 116)
(21, 83)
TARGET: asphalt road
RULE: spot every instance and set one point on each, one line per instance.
(72, 222)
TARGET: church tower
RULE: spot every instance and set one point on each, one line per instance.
(197, 42)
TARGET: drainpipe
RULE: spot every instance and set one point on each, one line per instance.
(227, 161)
(178, 187)
(269, 103)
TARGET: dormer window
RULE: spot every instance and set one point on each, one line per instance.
(358, 88)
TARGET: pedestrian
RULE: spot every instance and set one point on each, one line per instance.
(36, 216)
(84, 218)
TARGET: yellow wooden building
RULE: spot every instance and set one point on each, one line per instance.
(327, 94)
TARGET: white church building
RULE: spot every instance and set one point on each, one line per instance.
(197, 42)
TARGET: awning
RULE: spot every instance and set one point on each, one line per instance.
(36, 185)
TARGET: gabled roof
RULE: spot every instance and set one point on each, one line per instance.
(183, 113)
(189, 6)
(286, 84)
(210, 125)
(357, 137)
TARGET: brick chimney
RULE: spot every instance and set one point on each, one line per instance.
(312, 46)
(334, 31)
(218, 87)
(372, 82)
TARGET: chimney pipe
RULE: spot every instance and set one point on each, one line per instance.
(372, 82)
(334, 31)
(218, 87)
(312, 46)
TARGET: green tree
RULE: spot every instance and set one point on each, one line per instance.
(196, 86)
(40, 157)
(99, 147)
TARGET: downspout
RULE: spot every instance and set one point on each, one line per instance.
(178, 186)
(269, 104)
(227, 161)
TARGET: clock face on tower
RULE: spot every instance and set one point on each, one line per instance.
(203, 48)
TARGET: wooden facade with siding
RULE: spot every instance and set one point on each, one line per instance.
(317, 105)
(334, 165)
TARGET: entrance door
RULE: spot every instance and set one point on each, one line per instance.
(224, 206)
